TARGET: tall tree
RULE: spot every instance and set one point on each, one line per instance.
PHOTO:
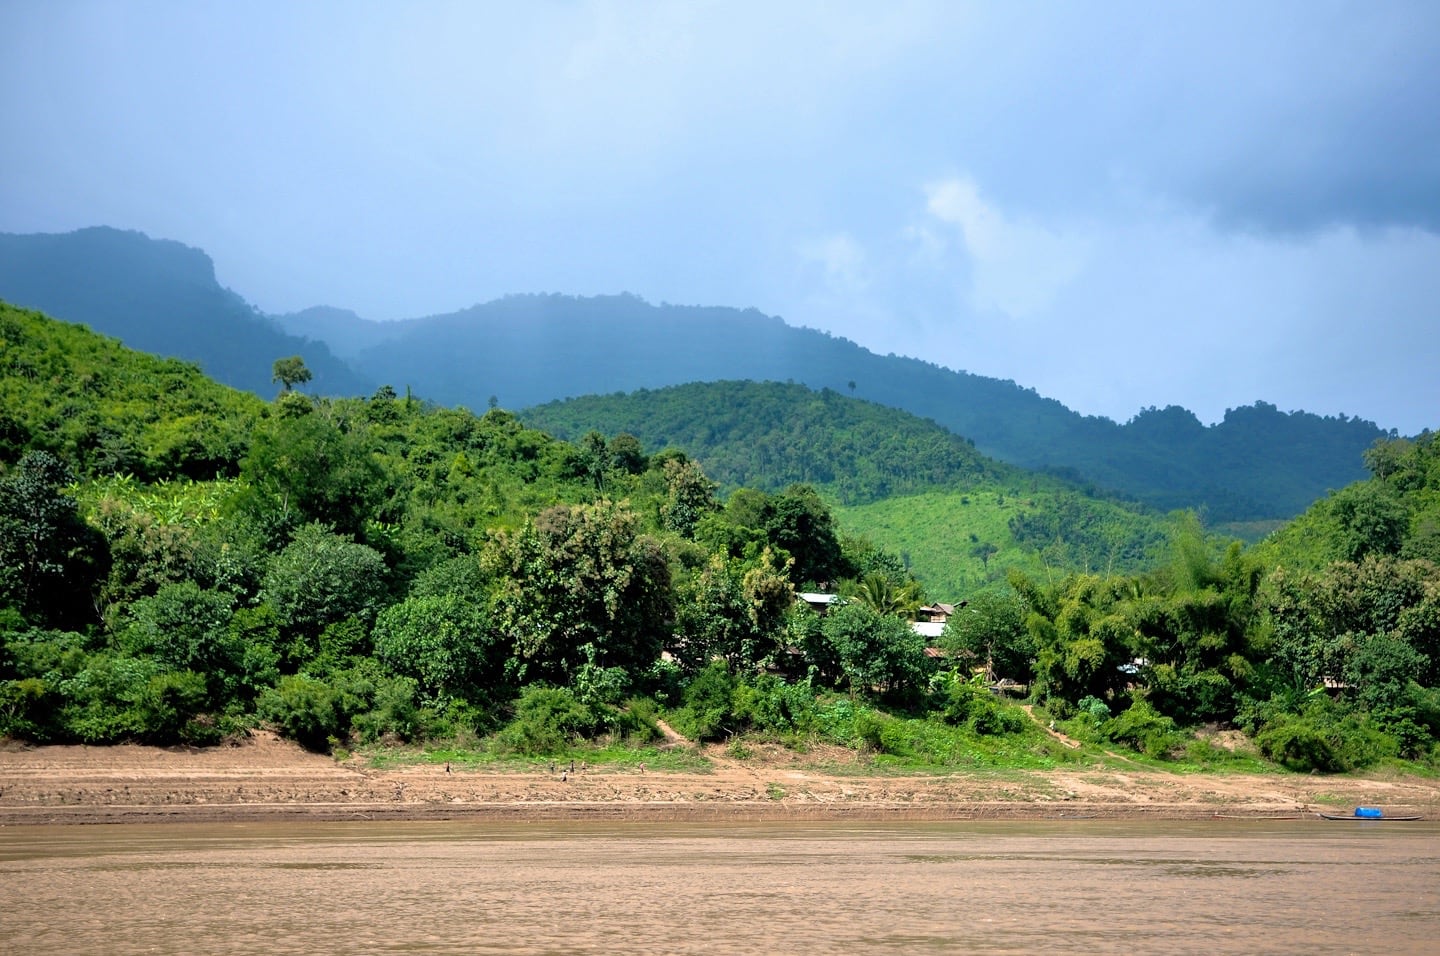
(290, 372)
(580, 585)
(49, 558)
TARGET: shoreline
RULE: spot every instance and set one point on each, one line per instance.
(264, 779)
(576, 812)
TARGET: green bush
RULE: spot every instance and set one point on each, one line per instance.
(168, 710)
(395, 712)
(639, 721)
(100, 700)
(868, 731)
(1324, 738)
(1144, 729)
(25, 707)
(996, 717)
(772, 705)
(303, 709)
(971, 704)
(548, 720)
(707, 712)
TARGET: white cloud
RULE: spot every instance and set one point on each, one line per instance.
(1018, 266)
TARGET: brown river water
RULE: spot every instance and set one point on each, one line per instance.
(1072, 886)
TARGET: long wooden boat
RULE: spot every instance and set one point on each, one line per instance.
(1380, 819)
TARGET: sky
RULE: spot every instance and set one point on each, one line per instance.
(1119, 204)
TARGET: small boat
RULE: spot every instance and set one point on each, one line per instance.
(1366, 813)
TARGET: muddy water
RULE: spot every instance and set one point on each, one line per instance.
(1053, 887)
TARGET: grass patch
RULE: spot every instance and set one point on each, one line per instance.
(481, 758)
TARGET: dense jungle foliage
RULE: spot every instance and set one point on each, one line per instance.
(958, 519)
(180, 562)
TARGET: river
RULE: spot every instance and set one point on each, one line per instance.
(1033, 887)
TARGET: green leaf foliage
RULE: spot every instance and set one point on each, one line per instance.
(381, 569)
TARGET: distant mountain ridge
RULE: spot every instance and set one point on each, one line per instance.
(160, 297)
(1257, 464)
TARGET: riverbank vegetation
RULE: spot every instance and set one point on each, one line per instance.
(180, 562)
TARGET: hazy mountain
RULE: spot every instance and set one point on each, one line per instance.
(161, 297)
(346, 333)
(1257, 464)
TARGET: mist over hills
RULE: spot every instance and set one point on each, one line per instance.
(1258, 464)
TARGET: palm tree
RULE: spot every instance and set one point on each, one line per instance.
(880, 593)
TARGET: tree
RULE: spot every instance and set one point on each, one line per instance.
(308, 468)
(187, 628)
(627, 454)
(321, 578)
(50, 559)
(1371, 520)
(1082, 640)
(880, 592)
(439, 640)
(878, 653)
(290, 372)
(733, 612)
(689, 496)
(798, 522)
(579, 585)
(594, 459)
(989, 631)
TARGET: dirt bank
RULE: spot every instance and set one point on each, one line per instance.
(263, 778)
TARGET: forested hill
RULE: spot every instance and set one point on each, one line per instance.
(770, 435)
(959, 519)
(159, 297)
(181, 562)
(106, 410)
(1259, 463)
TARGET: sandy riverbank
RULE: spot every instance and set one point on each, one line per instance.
(263, 778)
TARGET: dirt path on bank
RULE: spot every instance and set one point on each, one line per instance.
(263, 777)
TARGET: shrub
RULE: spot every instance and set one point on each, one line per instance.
(639, 721)
(707, 711)
(1323, 738)
(547, 721)
(1144, 729)
(395, 712)
(302, 709)
(773, 705)
(996, 717)
(969, 703)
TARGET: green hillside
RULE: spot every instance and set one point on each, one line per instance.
(1394, 513)
(180, 562)
(957, 519)
(1259, 464)
(959, 542)
(106, 409)
(769, 435)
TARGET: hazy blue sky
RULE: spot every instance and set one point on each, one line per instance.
(1118, 204)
